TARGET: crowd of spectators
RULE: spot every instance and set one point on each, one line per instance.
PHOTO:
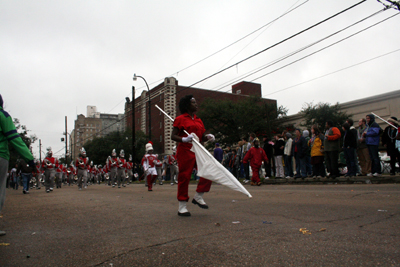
(298, 154)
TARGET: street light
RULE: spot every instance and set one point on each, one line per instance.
(133, 121)
(148, 89)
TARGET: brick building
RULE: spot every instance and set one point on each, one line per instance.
(167, 95)
(95, 124)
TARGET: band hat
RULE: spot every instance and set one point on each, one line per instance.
(149, 147)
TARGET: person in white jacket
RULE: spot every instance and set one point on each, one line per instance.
(288, 156)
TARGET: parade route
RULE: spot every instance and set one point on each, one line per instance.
(346, 225)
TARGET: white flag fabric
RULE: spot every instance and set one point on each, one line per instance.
(209, 168)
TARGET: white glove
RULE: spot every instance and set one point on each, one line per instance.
(210, 137)
(187, 139)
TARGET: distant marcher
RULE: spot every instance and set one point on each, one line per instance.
(331, 149)
(372, 139)
(362, 149)
(389, 142)
(349, 147)
(255, 156)
(300, 150)
(288, 156)
(9, 135)
(316, 144)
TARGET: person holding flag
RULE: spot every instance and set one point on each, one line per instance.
(189, 122)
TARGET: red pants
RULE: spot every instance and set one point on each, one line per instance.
(186, 163)
(255, 178)
(150, 181)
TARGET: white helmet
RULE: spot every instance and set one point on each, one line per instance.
(149, 147)
(114, 153)
(122, 153)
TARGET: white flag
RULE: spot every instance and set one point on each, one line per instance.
(209, 168)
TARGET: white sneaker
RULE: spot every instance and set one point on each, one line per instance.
(51, 188)
(376, 174)
(246, 181)
(172, 183)
(266, 178)
(369, 175)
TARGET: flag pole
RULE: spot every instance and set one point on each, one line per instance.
(384, 120)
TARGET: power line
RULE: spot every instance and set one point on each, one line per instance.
(341, 40)
(292, 53)
(336, 71)
(278, 43)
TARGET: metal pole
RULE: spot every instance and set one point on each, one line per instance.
(66, 140)
(133, 125)
(40, 151)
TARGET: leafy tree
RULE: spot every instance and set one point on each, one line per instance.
(100, 148)
(28, 140)
(322, 112)
(229, 121)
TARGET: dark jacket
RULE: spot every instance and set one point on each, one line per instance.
(24, 167)
(278, 147)
(300, 146)
(389, 139)
(268, 149)
(350, 139)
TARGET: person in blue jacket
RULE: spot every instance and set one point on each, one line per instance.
(372, 138)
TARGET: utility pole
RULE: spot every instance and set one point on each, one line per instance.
(66, 141)
(393, 4)
(40, 151)
(133, 125)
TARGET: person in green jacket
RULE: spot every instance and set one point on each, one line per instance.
(8, 134)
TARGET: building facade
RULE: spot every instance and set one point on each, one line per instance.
(167, 95)
(383, 105)
(95, 124)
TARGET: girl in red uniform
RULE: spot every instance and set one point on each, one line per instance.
(186, 159)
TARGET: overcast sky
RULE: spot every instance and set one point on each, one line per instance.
(57, 57)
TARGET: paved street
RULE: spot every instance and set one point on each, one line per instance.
(103, 226)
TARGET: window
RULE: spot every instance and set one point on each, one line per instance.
(160, 138)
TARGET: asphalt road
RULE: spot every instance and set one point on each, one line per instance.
(103, 226)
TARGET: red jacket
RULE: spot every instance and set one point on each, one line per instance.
(255, 156)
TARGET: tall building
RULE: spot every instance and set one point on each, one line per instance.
(167, 95)
(95, 124)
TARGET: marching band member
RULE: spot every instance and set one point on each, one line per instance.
(188, 121)
(148, 163)
(59, 173)
(49, 164)
(82, 164)
(112, 167)
(129, 167)
(173, 166)
(121, 169)
(159, 170)
(71, 172)
(89, 171)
